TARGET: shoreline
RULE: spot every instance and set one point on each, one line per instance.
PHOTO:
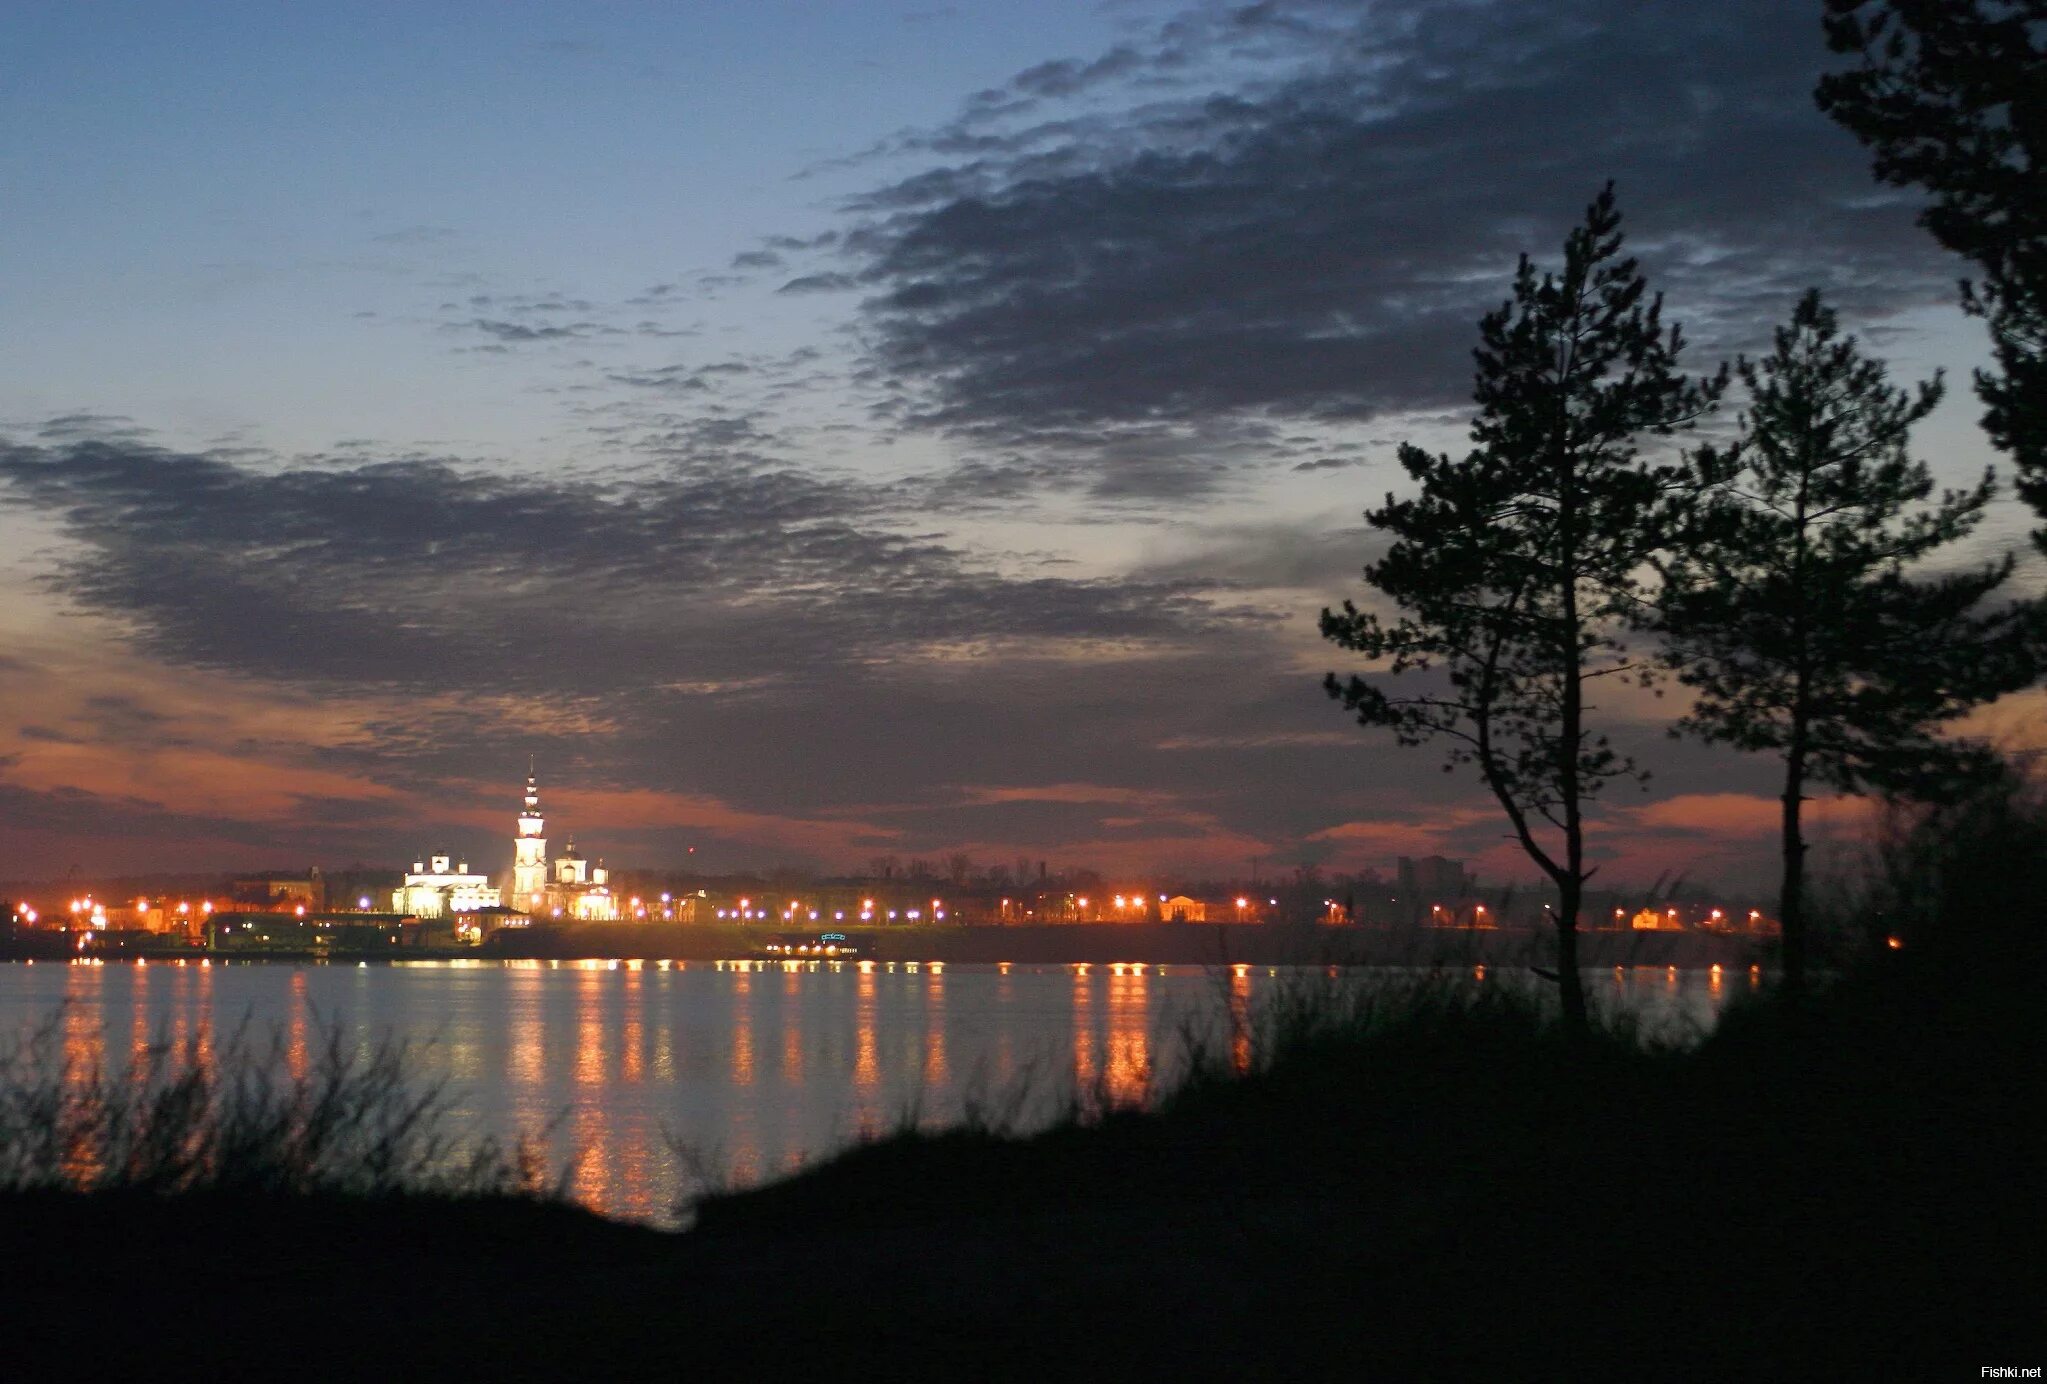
(1195, 944)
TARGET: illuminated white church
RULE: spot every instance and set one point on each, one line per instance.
(437, 888)
(572, 888)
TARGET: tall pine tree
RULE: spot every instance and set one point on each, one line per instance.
(1790, 608)
(1516, 567)
(1951, 96)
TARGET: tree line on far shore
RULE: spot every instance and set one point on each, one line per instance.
(1793, 576)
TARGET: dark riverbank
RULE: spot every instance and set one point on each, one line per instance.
(1449, 1192)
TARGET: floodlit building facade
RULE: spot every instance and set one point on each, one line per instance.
(438, 888)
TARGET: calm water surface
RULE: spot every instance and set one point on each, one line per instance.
(758, 1068)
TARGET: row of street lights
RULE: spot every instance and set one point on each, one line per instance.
(794, 909)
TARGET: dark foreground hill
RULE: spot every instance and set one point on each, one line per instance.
(1454, 1191)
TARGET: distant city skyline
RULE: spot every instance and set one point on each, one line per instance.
(820, 432)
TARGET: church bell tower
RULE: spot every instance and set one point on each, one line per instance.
(529, 851)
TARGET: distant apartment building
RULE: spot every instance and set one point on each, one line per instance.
(281, 891)
(1433, 878)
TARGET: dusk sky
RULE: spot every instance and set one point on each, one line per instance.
(821, 431)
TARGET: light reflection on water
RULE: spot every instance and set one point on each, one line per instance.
(758, 1068)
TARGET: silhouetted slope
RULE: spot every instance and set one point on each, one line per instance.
(1849, 1192)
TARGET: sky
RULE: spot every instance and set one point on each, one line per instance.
(815, 432)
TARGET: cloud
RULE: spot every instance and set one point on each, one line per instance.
(510, 320)
(130, 825)
(117, 719)
(1314, 558)
(1747, 816)
(419, 572)
(819, 283)
(1300, 210)
(522, 332)
(72, 427)
(1071, 76)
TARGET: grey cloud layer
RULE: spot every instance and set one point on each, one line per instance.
(1318, 243)
(423, 573)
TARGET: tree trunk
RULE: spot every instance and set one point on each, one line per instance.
(1571, 739)
(1570, 983)
(1791, 896)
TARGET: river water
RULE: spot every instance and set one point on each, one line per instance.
(650, 1077)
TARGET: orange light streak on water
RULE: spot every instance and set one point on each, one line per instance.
(1240, 1019)
(296, 1058)
(1127, 1075)
(527, 1055)
(1083, 1031)
(632, 1056)
(792, 1027)
(590, 1045)
(138, 1031)
(742, 1028)
(84, 1065)
(866, 1061)
(934, 1030)
(591, 1183)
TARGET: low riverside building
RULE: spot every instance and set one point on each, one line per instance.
(318, 934)
(479, 923)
